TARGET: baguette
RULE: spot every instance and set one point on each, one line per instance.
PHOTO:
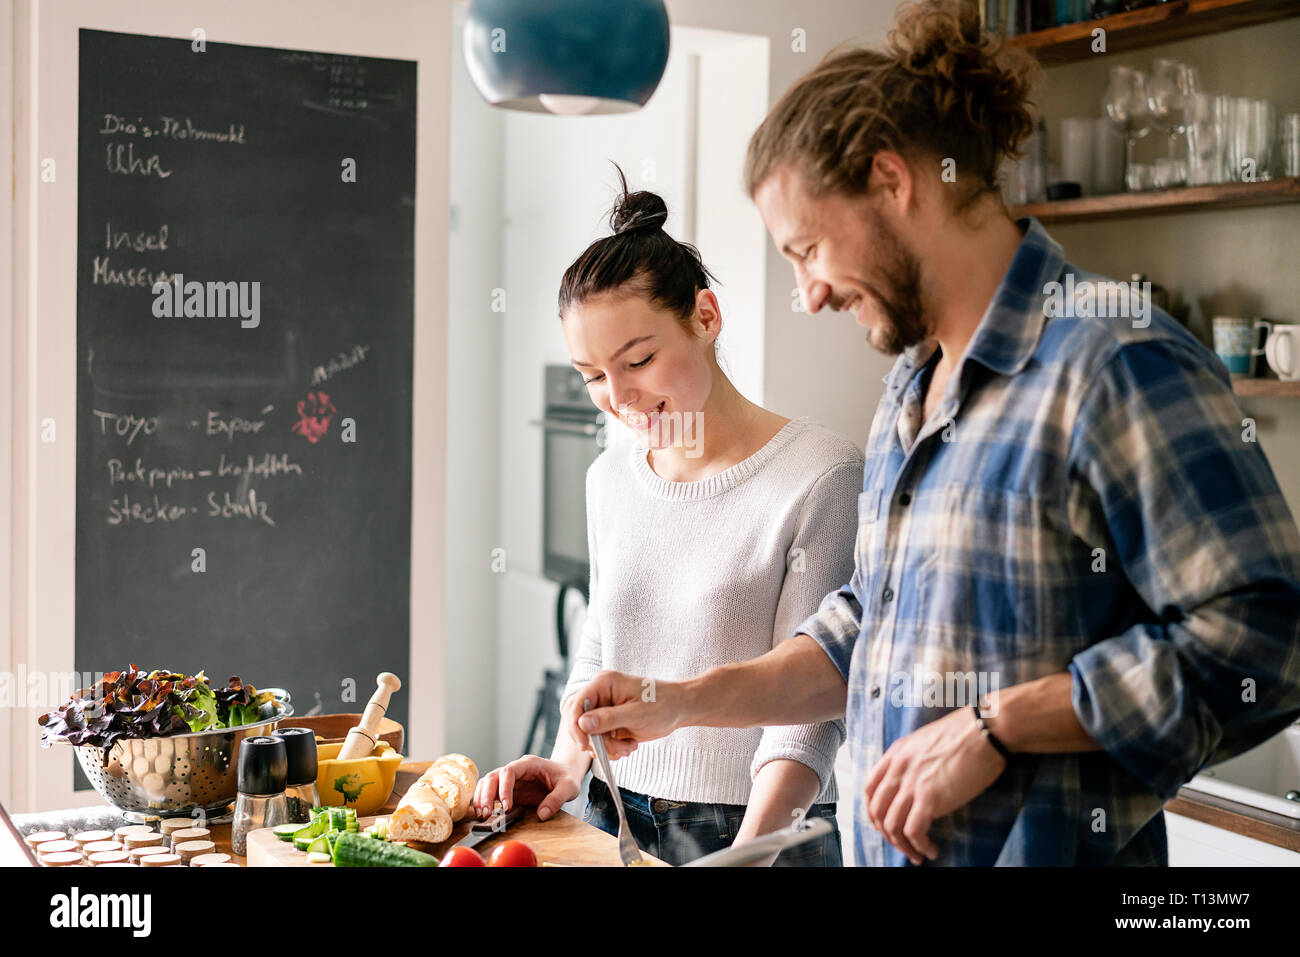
(461, 761)
(421, 815)
(439, 798)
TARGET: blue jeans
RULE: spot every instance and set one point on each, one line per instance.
(677, 832)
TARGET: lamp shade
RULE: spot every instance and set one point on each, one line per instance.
(567, 56)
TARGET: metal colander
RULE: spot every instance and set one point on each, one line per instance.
(174, 775)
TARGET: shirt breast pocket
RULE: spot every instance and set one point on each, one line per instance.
(985, 586)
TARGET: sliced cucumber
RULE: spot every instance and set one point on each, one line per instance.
(285, 832)
(320, 845)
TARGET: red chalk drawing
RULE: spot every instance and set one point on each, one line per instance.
(314, 414)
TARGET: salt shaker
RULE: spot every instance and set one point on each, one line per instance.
(262, 772)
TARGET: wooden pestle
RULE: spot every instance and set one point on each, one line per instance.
(361, 739)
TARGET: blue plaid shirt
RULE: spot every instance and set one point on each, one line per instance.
(1086, 498)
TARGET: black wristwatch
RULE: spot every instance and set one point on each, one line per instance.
(992, 738)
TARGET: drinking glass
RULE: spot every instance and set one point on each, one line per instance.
(1205, 134)
(1250, 139)
(1288, 145)
(1128, 108)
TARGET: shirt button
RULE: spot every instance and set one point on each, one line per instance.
(888, 594)
(875, 691)
(905, 499)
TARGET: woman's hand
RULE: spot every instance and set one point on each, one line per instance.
(527, 781)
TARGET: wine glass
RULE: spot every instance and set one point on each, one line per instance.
(1169, 97)
(1128, 108)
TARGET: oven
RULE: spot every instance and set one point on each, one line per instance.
(572, 435)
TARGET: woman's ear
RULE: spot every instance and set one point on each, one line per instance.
(708, 314)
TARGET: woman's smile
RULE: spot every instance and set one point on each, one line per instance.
(644, 421)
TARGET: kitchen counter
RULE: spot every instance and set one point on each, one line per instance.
(563, 838)
(572, 839)
(1242, 819)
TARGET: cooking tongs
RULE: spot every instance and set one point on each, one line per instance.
(628, 850)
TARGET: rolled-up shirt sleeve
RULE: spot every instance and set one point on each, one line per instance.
(1168, 478)
(821, 554)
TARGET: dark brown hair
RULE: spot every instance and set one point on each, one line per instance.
(639, 258)
(941, 89)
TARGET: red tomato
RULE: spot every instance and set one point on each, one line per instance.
(462, 857)
(512, 854)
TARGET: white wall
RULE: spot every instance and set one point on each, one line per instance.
(474, 343)
(44, 354)
(6, 376)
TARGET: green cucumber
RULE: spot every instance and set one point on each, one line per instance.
(338, 818)
(353, 850)
(320, 845)
(285, 832)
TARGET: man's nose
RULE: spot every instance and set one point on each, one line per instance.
(815, 295)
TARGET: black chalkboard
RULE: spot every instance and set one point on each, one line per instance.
(277, 439)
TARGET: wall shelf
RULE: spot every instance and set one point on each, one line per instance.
(1266, 388)
(1149, 26)
(1182, 199)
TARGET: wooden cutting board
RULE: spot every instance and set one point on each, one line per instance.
(563, 840)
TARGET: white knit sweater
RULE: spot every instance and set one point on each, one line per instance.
(689, 575)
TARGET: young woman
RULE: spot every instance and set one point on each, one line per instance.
(710, 541)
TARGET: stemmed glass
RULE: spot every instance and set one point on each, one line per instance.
(1128, 108)
(1169, 98)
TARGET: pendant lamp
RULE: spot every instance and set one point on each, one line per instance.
(567, 56)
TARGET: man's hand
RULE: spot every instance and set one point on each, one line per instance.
(626, 709)
(935, 770)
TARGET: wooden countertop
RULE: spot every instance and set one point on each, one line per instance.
(1275, 829)
(562, 839)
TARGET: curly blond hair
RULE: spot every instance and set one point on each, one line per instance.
(941, 89)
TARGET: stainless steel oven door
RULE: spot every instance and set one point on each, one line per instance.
(570, 445)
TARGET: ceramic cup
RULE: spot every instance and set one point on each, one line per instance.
(1236, 341)
(1283, 351)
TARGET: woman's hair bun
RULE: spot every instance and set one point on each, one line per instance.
(641, 210)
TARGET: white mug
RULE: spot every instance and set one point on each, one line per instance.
(1280, 351)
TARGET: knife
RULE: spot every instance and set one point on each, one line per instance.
(480, 831)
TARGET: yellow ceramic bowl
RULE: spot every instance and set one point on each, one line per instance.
(360, 783)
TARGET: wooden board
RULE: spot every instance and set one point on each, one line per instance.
(563, 840)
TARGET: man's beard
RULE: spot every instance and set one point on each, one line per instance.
(898, 295)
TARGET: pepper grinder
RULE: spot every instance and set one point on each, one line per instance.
(262, 772)
(300, 791)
